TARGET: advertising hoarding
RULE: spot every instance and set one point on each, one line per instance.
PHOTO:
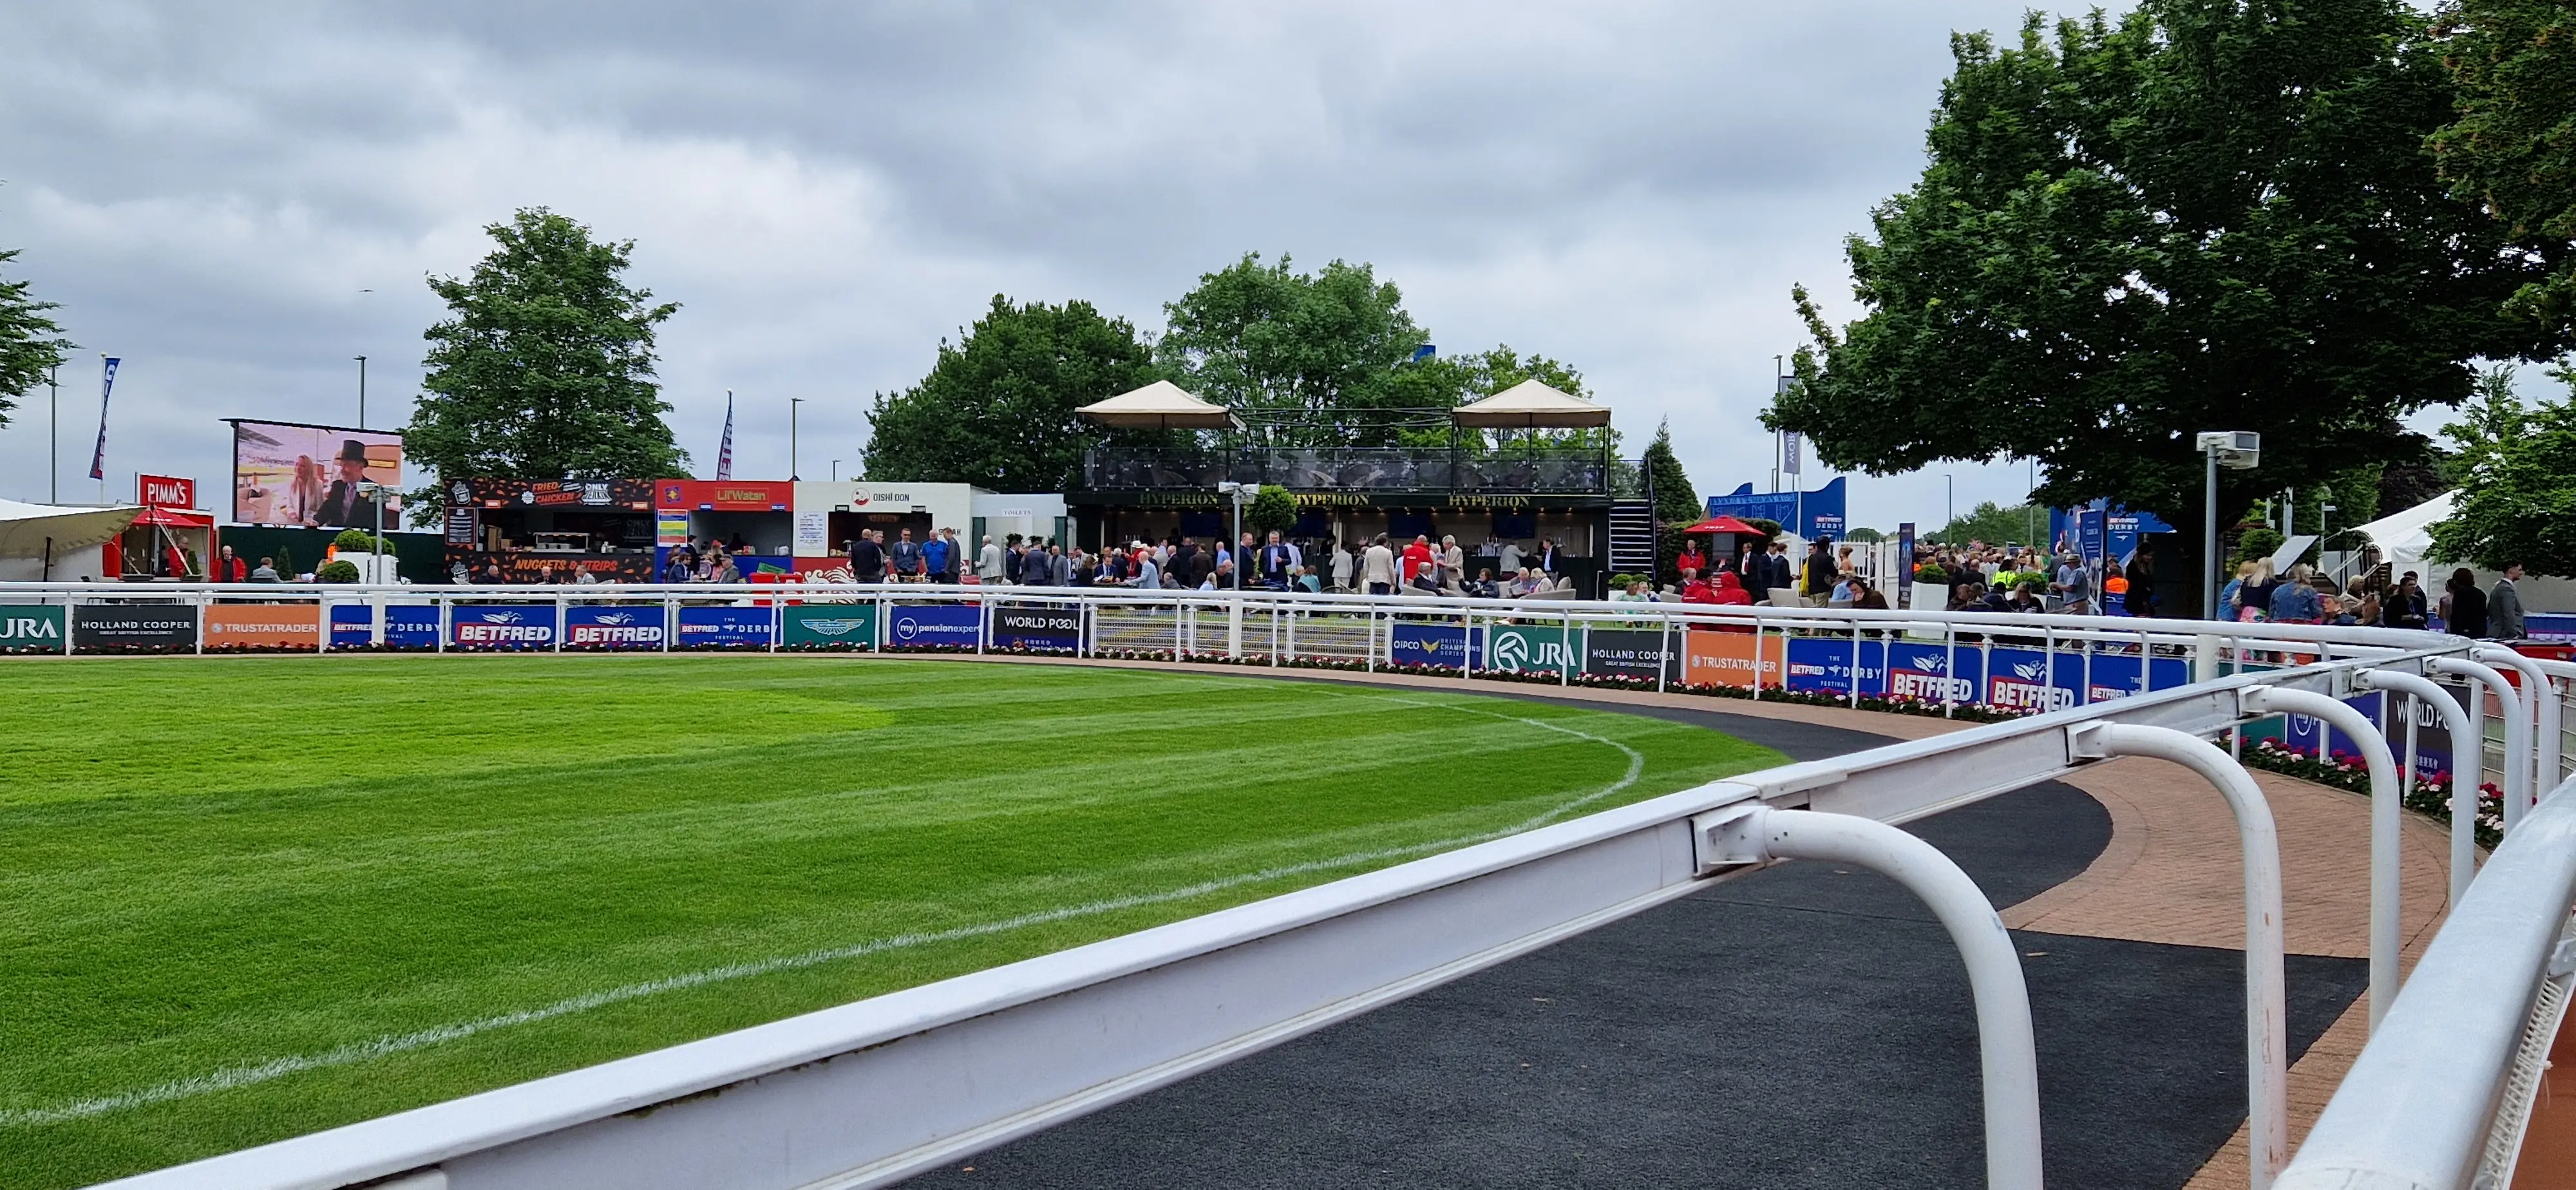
(1730, 659)
(501, 626)
(264, 626)
(2024, 680)
(1934, 673)
(1051, 627)
(1632, 653)
(118, 626)
(1528, 649)
(31, 627)
(288, 473)
(1413, 642)
(925, 625)
(613, 627)
(165, 491)
(1825, 664)
(723, 627)
(845, 625)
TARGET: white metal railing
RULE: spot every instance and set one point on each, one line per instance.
(2440, 1096)
(872, 1092)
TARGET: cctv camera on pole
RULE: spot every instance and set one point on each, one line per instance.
(2237, 450)
(1240, 492)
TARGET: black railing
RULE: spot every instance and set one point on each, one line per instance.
(1355, 469)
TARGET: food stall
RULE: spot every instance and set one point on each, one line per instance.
(509, 531)
(753, 519)
(170, 541)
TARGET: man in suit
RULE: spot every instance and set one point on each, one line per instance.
(343, 505)
(2504, 605)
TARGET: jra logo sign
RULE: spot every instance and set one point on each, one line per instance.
(27, 624)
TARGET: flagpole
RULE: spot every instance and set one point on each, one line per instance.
(54, 435)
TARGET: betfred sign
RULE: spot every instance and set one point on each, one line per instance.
(613, 627)
(501, 627)
(165, 491)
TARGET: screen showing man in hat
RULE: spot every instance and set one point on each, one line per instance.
(344, 506)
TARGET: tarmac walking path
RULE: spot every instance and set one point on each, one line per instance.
(2171, 873)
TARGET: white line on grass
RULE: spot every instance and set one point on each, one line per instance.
(243, 1076)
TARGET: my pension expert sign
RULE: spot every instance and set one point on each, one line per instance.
(119, 626)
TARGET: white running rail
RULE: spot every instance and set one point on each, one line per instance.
(872, 1092)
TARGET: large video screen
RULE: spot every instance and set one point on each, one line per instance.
(290, 474)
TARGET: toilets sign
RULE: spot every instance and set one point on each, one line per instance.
(29, 627)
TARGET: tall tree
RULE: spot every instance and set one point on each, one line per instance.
(2513, 149)
(544, 367)
(997, 407)
(31, 346)
(1675, 499)
(2516, 468)
(2211, 214)
(1265, 339)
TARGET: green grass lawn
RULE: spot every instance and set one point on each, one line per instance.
(248, 897)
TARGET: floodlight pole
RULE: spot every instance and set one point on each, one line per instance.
(53, 435)
(362, 392)
(792, 403)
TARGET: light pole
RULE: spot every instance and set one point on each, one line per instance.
(1950, 484)
(836, 470)
(2236, 450)
(53, 435)
(792, 403)
(362, 392)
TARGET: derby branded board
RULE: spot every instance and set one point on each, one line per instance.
(614, 627)
(501, 626)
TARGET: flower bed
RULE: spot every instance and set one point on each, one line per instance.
(2347, 771)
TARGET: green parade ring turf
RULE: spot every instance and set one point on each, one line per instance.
(251, 898)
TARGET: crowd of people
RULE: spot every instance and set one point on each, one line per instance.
(1981, 578)
(1272, 563)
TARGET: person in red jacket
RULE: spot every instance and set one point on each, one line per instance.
(229, 569)
(1691, 560)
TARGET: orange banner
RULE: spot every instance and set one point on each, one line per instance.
(1727, 659)
(264, 625)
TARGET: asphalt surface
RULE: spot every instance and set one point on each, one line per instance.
(1805, 1026)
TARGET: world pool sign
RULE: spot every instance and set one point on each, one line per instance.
(28, 627)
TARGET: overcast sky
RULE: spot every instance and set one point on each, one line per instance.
(239, 199)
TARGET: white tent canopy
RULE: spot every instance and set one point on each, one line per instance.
(1161, 405)
(24, 528)
(2402, 538)
(1531, 404)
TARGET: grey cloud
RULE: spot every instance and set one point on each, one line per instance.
(831, 188)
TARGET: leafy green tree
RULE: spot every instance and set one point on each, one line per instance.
(2202, 216)
(997, 407)
(2517, 470)
(1675, 499)
(1271, 508)
(2513, 149)
(1865, 535)
(31, 346)
(1995, 524)
(544, 367)
(1264, 339)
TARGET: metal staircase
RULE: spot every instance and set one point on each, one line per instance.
(1632, 537)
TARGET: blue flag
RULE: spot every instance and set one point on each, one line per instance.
(98, 456)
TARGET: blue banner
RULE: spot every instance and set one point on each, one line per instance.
(1036, 626)
(2116, 675)
(2025, 680)
(502, 625)
(629, 626)
(1808, 514)
(725, 627)
(1823, 663)
(1935, 673)
(920, 625)
(2306, 734)
(1418, 643)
